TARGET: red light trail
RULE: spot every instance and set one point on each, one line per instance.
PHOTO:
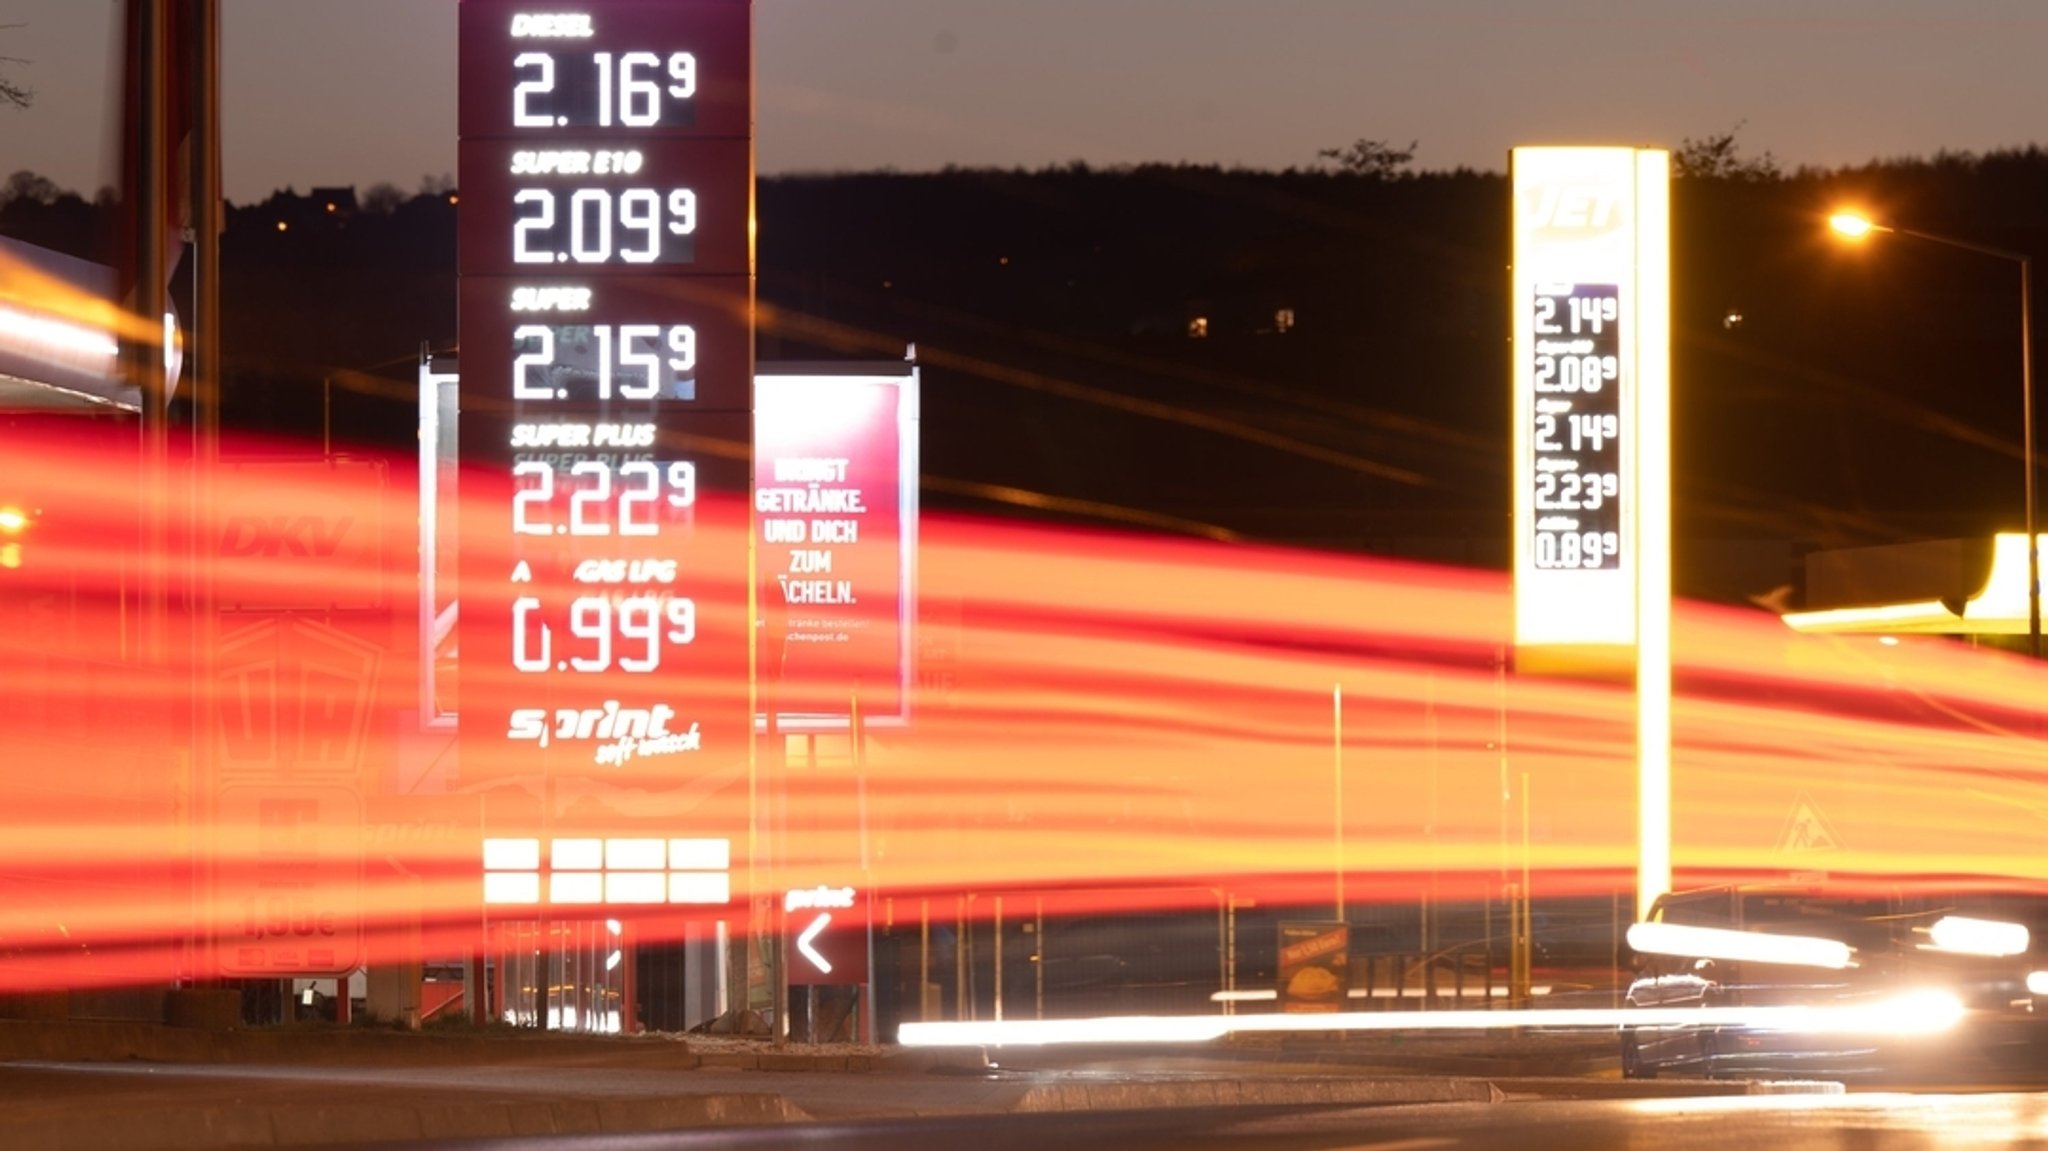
(1103, 721)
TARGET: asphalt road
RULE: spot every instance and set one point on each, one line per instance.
(1871, 1122)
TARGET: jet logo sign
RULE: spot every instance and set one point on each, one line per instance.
(1570, 209)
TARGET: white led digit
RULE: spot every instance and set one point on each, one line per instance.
(638, 620)
(522, 252)
(590, 618)
(522, 386)
(640, 211)
(603, 335)
(682, 208)
(682, 74)
(682, 348)
(522, 117)
(596, 493)
(523, 627)
(639, 486)
(604, 89)
(541, 493)
(682, 621)
(602, 250)
(682, 482)
(639, 100)
(648, 363)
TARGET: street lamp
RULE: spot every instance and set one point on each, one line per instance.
(1857, 226)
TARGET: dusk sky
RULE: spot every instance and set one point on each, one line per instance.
(323, 92)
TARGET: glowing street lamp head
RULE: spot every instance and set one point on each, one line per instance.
(1854, 225)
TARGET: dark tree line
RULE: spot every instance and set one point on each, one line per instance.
(1313, 355)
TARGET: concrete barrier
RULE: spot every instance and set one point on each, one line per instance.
(203, 1008)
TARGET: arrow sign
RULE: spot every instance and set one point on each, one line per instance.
(803, 942)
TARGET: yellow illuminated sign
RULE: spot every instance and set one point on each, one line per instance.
(1591, 381)
(1591, 297)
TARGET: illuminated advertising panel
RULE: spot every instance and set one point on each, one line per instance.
(606, 251)
(1589, 286)
(835, 511)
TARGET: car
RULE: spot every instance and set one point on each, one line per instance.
(1804, 983)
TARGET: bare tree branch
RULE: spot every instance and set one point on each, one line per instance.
(12, 94)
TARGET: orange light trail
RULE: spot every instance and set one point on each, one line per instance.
(1103, 722)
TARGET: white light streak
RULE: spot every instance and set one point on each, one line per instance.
(1739, 946)
(1918, 1013)
(44, 334)
(1268, 994)
(1963, 935)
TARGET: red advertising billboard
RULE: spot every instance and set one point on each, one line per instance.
(835, 514)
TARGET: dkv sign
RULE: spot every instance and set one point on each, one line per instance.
(293, 535)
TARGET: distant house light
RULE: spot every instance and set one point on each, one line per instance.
(283, 227)
(1198, 328)
(1283, 320)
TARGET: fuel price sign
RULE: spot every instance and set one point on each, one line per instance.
(1591, 377)
(1576, 434)
(606, 252)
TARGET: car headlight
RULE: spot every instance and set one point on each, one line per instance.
(2037, 982)
(1923, 1013)
(1962, 935)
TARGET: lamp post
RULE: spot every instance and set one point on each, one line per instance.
(1856, 226)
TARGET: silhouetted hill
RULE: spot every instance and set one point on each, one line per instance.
(1304, 355)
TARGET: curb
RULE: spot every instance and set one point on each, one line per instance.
(1130, 1096)
(304, 1126)
(76, 1041)
(1563, 1087)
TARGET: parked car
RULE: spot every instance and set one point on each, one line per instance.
(1776, 982)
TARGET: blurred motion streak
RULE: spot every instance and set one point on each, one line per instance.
(1119, 716)
(1918, 1013)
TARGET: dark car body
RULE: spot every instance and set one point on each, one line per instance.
(1999, 1034)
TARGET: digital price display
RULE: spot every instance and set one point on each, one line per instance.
(606, 252)
(1576, 435)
